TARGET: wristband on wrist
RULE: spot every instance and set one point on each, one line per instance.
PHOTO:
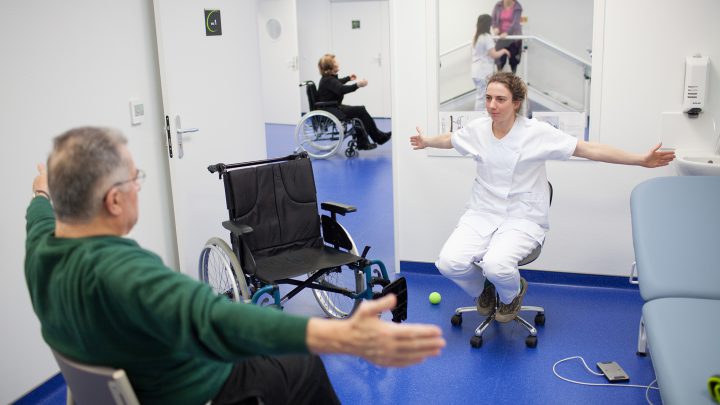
(42, 193)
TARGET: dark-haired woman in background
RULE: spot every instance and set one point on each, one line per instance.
(483, 58)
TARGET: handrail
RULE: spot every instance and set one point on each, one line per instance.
(549, 44)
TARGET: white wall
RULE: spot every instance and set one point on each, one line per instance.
(66, 64)
(63, 66)
(642, 76)
(314, 25)
(567, 24)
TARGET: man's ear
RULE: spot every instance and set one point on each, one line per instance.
(112, 202)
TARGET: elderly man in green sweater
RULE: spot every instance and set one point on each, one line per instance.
(102, 299)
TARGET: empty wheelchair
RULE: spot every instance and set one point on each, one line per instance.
(322, 131)
(278, 238)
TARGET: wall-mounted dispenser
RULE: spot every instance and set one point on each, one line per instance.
(696, 78)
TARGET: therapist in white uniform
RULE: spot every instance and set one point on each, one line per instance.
(507, 215)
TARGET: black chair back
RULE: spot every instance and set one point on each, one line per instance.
(277, 200)
(312, 93)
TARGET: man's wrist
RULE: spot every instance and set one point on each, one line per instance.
(42, 193)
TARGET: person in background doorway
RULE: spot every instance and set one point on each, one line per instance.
(103, 300)
(506, 17)
(483, 57)
(332, 88)
(507, 216)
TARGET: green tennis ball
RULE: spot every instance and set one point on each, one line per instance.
(435, 298)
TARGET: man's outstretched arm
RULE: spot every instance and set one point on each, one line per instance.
(365, 335)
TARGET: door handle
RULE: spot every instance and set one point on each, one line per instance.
(185, 131)
(179, 130)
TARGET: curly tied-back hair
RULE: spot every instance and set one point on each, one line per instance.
(326, 64)
(83, 161)
(514, 83)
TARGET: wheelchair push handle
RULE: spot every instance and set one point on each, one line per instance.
(222, 168)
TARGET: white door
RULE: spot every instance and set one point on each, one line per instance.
(277, 33)
(360, 40)
(209, 82)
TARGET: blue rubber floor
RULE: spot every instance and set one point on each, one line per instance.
(597, 323)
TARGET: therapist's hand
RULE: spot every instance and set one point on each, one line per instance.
(417, 141)
(657, 158)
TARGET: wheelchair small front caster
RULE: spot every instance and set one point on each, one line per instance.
(349, 152)
(476, 341)
(456, 320)
(540, 319)
(531, 341)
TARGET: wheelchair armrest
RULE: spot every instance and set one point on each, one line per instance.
(320, 104)
(337, 208)
(237, 228)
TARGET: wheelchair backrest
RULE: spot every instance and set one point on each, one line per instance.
(312, 93)
(279, 201)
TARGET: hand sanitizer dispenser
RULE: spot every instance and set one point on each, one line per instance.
(696, 77)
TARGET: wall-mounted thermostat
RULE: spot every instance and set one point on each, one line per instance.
(137, 112)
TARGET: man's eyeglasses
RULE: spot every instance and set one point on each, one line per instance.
(138, 179)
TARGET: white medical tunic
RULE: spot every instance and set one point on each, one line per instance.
(510, 187)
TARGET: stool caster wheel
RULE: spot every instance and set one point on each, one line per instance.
(531, 341)
(540, 319)
(476, 341)
(456, 320)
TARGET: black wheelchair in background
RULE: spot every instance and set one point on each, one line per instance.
(322, 131)
(278, 238)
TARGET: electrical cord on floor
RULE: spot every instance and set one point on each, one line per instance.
(647, 387)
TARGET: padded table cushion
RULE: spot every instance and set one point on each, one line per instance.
(684, 340)
(676, 235)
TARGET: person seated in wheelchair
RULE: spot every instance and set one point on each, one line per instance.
(332, 88)
(507, 216)
(103, 300)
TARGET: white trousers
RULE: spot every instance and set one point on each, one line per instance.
(468, 258)
(481, 88)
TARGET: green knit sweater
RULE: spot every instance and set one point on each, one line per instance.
(105, 300)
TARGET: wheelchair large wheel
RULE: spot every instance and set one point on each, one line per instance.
(221, 270)
(337, 305)
(320, 134)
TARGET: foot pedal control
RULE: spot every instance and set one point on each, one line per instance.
(399, 288)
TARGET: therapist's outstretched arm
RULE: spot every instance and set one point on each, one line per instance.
(381, 342)
(420, 141)
(606, 153)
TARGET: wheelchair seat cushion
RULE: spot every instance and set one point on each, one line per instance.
(301, 261)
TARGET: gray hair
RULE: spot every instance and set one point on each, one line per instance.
(83, 162)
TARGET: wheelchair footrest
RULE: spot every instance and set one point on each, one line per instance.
(399, 288)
